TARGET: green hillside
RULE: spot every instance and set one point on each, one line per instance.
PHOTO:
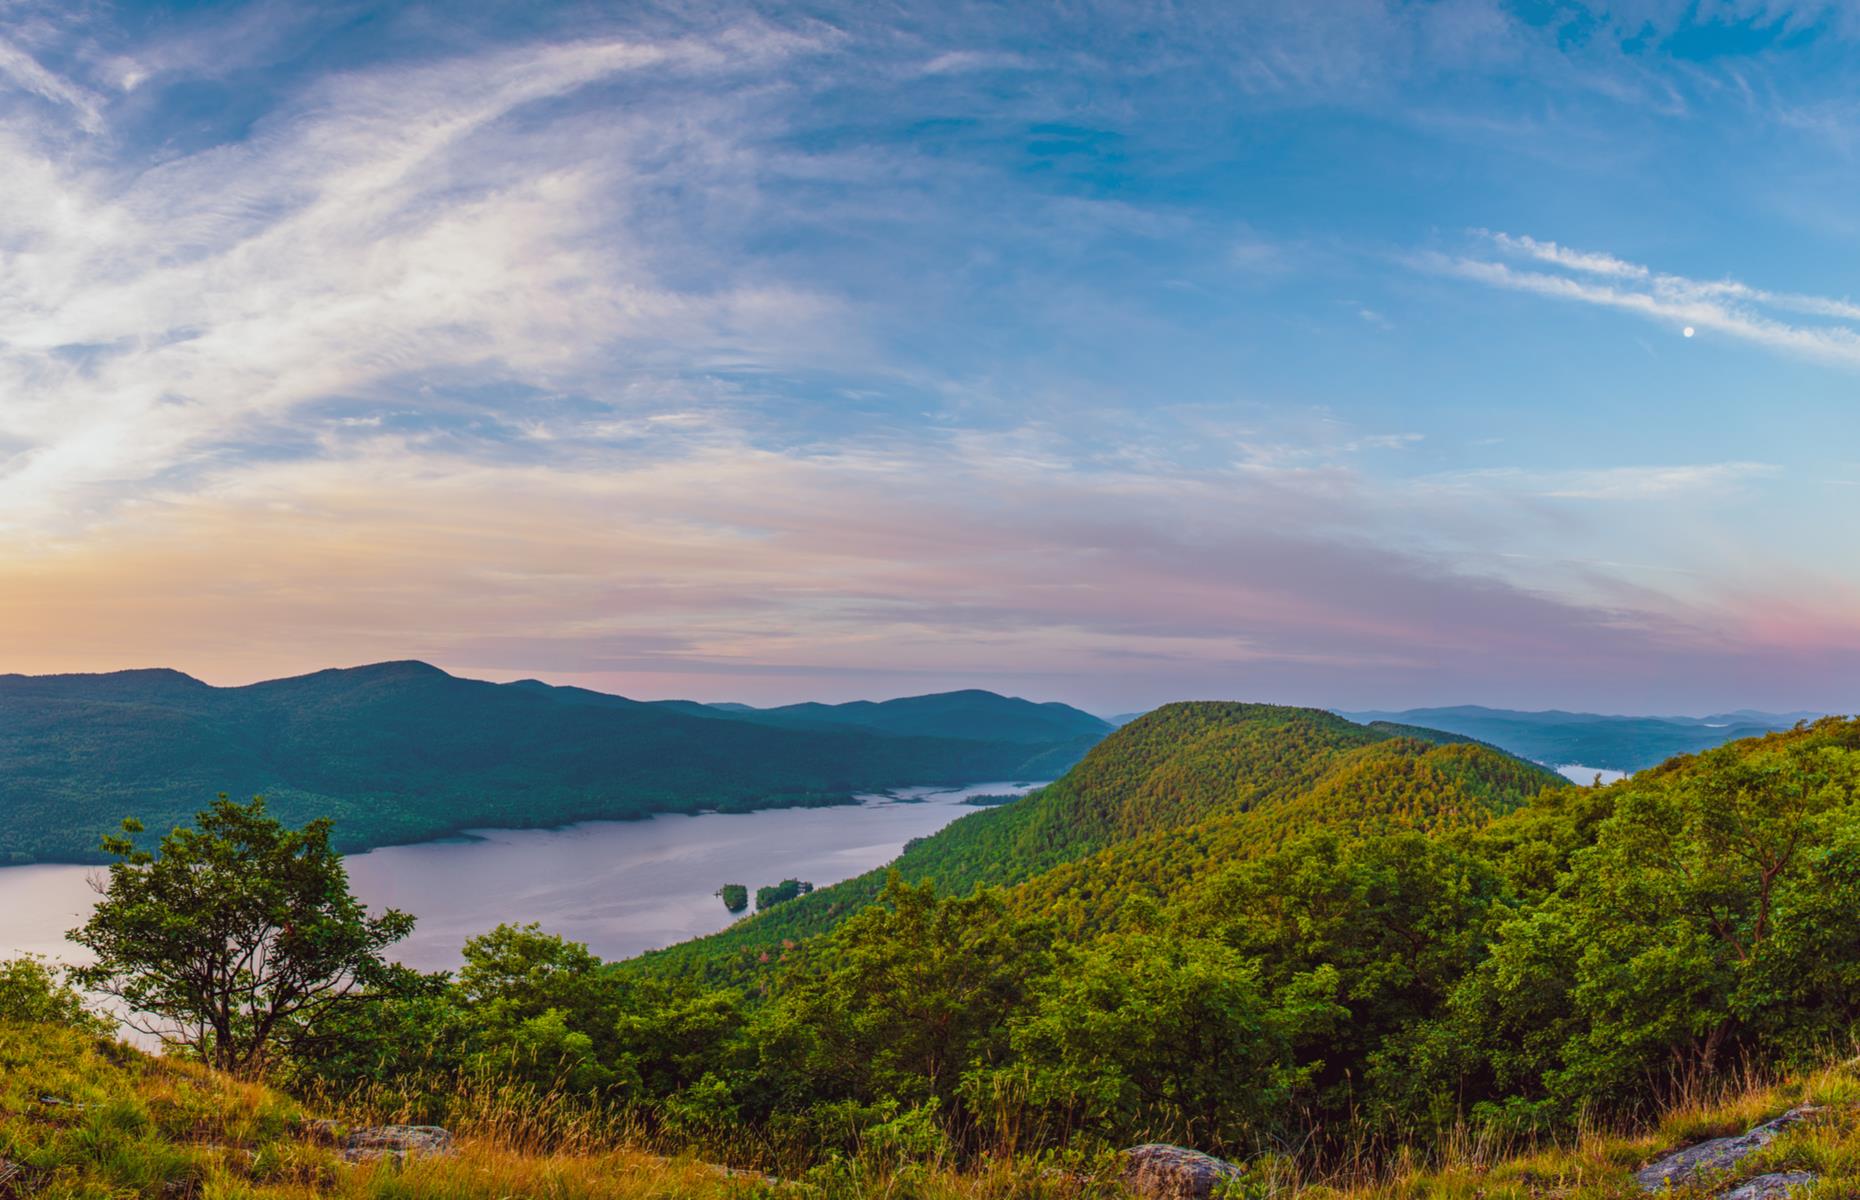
(1179, 790)
(1236, 927)
(403, 751)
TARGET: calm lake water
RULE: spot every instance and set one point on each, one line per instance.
(1586, 775)
(620, 886)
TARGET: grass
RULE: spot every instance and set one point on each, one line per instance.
(93, 1119)
(89, 1118)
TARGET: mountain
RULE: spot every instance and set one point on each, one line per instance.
(403, 752)
(1180, 792)
(1615, 743)
(971, 714)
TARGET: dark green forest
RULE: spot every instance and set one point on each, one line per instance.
(403, 752)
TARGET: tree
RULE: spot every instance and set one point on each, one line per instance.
(781, 893)
(1400, 918)
(236, 938)
(1714, 921)
(1165, 1037)
(32, 989)
(904, 998)
(735, 896)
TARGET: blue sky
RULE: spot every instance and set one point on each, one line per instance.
(1110, 353)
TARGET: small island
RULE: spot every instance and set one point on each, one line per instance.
(781, 893)
(735, 896)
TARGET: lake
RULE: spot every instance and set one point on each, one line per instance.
(1586, 775)
(622, 887)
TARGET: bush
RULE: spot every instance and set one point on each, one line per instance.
(32, 989)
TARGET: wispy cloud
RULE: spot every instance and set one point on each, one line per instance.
(1690, 482)
(1726, 306)
(424, 220)
(944, 560)
(960, 62)
(24, 71)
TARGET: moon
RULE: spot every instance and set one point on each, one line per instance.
(1689, 331)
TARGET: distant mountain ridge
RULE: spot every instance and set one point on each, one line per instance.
(1617, 743)
(403, 751)
(966, 714)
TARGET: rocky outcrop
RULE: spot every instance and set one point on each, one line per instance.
(1775, 1186)
(1160, 1172)
(396, 1142)
(1696, 1163)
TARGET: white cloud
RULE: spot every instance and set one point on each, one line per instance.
(404, 221)
(961, 62)
(1725, 306)
(26, 72)
(1563, 256)
(1689, 481)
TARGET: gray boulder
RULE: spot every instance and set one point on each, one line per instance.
(1719, 1154)
(1775, 1186)
(1160, 1172)
(396, 1142)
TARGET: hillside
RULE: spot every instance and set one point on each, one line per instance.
(1589, 739)
(403, 751)
(1178, 791)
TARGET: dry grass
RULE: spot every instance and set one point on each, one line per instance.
(94, 1120)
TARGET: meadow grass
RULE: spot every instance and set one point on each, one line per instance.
(88, 1118)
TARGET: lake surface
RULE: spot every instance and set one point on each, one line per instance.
(1586, 775)
(620, 886)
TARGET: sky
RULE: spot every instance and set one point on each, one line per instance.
(1358, 354)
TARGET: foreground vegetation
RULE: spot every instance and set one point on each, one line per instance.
(84, 1116)
(1354, 958)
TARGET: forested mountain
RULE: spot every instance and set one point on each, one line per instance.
(403, 751)
(1178, 791)
(1590, 739)
(1237, 927)
(971, 713)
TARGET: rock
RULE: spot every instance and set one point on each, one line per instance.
(1774, 1186)
(1719, 1154)
(1160, 1172)
(396, 1142)
(323, 1131)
